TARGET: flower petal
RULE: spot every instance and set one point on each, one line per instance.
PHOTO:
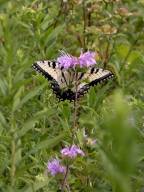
(87, 59)
(72, 151)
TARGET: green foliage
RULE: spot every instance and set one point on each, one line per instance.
(34, 125)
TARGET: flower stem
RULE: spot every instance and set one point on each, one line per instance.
(13, 168)
(84, 24)
(106, 54)
(129, 52)
(13, 152)
(64, 182)
(75, 106)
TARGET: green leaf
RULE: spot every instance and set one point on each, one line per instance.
(3, 122)
(3, 86)
(16, 100)
(28, 125)
(50, 36)
(122, 50)
(36, 186)
(19, 103)
(47, 144)
(3, 1)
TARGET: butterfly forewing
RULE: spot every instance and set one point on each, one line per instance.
(48, 69)
(58, 77)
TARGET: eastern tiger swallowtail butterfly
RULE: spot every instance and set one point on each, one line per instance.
(62, 80)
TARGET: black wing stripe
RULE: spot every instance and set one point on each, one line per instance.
(97, 70)
(92, 70)
(54, 64)
(64, 78)
(96, 81)
(81, 76)
(44, 73)
(49, 63)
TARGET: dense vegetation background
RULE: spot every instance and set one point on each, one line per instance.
(34, 125)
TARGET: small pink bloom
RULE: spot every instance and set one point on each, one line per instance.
(54, 167)
(72, 151)
(87, 59)
(84, 60)
(67, 61)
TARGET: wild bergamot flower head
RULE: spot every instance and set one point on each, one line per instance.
(72, 152)
(84, 60)
(54, 167)
(87, 59)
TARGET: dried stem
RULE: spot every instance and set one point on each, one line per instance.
(129, 52)
(64, 183)
(58, 15)
(84, 25)
(68, 187)
(106, 57)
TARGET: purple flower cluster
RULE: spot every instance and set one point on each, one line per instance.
(55, 167)
(72, 152)
(84, 60)
(67, 61)
(87, 59)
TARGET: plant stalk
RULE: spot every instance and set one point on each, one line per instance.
(84, 25)
(64, 183)
(13, 153)
(75, 106)
(129, 52)
(13, 168)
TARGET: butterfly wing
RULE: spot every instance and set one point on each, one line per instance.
(58, 78)
(92, 77)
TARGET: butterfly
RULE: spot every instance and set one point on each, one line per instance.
(68, 84)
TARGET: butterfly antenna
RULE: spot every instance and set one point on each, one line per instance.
(64, 53)
(82, 50)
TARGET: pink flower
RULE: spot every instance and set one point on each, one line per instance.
(54, 167)
(67, 61)
(72, 151)
(84, 60)
(87, 59)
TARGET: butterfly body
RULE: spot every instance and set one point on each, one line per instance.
(70, 83)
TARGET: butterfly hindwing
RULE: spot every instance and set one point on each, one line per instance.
(93, 77)
(99, 75)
